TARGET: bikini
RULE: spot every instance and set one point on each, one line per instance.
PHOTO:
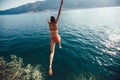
(55, 38)
(53, 29)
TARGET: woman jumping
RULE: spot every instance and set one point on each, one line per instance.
(55, 38)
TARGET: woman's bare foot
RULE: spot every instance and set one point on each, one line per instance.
(50, 71)
(60, 46)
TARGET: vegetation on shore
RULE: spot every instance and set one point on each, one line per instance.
(15, 70)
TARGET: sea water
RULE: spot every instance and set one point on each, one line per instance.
(90, 42)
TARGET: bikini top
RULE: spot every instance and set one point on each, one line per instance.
(53, 29)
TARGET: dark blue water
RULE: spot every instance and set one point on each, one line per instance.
(90, 41)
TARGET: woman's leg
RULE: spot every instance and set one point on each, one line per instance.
(59, 42)
(52, 45)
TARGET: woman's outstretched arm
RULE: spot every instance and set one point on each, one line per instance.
(59, 10)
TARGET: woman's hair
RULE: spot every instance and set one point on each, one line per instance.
(52, 19)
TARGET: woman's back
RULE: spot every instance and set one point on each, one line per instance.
(53, 28)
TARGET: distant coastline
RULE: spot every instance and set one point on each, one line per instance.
(64, 9)
(44, 6)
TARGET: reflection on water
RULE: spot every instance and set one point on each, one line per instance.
(112, 42)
